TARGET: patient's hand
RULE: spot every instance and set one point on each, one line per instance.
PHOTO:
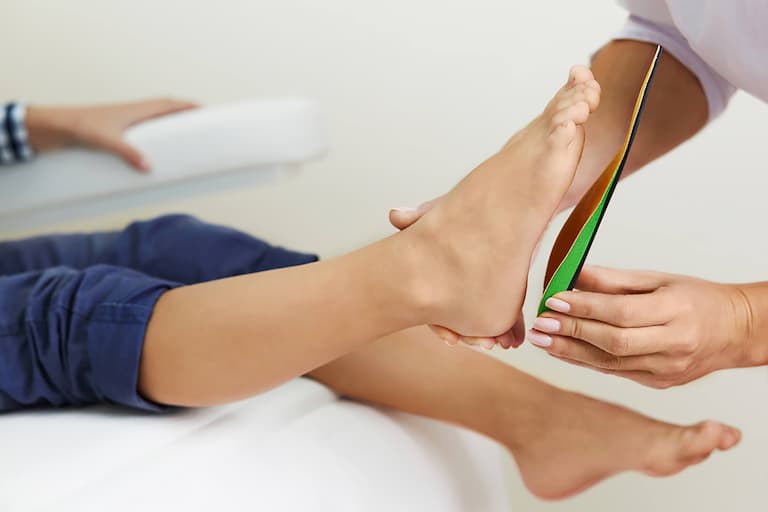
(401, 218)
(99, 127)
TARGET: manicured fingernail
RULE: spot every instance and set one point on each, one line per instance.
(539, 339)
(544, 324)
(488, 344)
(557, 305)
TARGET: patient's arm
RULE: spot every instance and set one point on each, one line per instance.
(96, 126)
(562, 442)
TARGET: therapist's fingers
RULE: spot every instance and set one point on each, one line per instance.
(618, 341)
(640, 310)
(453, 338)
(514, 337)
(447, 335)
(641, 377)
(518, 331)
(506, 340)
(403, 217)
(617, 281)
(577, 350)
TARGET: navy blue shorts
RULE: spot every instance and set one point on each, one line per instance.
(74, 308)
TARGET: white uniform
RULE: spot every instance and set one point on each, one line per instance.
(723, 42)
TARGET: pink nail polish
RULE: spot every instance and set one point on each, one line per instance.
(539, 339)
(544, 324)
(557, 305)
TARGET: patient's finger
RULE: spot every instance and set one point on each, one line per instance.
(158, 107)
(130, 154)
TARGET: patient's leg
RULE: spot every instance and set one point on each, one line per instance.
(562, 442)
(177, 248)
(463, 266)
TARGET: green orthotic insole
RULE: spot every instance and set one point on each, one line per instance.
(576, 237)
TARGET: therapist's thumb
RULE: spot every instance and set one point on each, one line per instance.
(403, 217)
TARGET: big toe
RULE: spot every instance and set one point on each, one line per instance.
(686, 446)
(581, 85)
(588, 92)
(579, 74)
(707, 437)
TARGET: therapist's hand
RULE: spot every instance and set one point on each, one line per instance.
(101, 126)
(660, 330)
(401, 218)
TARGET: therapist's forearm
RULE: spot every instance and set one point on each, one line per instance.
(755, 351)
(676, 109)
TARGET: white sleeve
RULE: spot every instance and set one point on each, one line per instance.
(717, 89)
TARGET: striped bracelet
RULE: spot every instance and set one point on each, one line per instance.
(14, 140)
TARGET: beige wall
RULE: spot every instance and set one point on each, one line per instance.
(416, 93)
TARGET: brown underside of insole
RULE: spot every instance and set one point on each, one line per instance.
(579, 217)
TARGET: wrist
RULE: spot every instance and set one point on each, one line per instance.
(750, 300)
(14, 137)
(49, 128)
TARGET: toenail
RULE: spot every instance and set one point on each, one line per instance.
(539, 339)
(546, 324)
(488, 344)
(557, 305)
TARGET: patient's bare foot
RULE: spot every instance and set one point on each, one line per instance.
(480, 236)
(564, 442)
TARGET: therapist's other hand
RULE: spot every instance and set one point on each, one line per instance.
(401, 218)
(660, 330)
(100, 126)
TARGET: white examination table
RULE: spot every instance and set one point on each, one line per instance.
(296, 448)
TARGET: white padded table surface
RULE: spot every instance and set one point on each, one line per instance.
(296, 448)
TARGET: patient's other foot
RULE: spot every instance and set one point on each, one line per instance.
(564, 442)
(476, 242)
